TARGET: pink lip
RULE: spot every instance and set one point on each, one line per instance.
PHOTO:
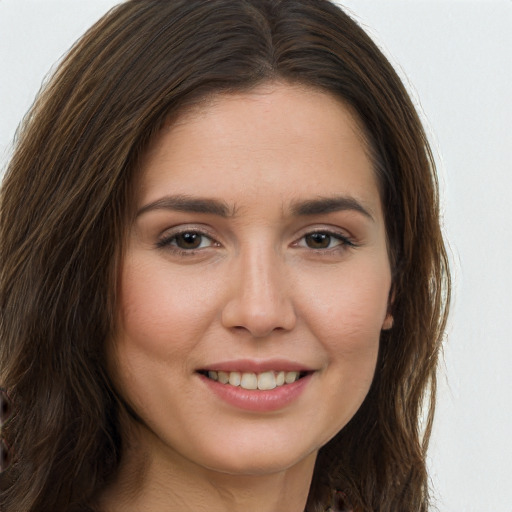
(256, 400)
(248, 365)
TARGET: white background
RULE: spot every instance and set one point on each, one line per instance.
(455, 56)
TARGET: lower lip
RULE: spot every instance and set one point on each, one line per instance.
(255, 400)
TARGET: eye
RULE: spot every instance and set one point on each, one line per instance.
(186, 241)
(322, 240)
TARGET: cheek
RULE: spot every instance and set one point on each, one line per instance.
(346, 314)
(348, 308)
(160, 320)
(161, 311)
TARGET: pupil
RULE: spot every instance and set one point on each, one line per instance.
(188, 240)
(318, 240)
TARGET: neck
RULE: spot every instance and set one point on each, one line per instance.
(163, 481)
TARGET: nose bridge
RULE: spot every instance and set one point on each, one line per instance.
(260, 302)
(261, 277)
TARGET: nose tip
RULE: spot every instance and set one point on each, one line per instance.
(260, 301)
(259, 324)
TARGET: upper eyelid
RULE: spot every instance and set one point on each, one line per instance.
(171, 233)
(330, 230)
(191, 228)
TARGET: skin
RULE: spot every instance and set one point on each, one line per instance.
(256, 288)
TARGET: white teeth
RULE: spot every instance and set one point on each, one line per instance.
(249, 381)
(291, 377)
(262, 381)
(223, 377)
(266, 380)
(235, 378)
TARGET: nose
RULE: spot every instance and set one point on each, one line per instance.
(260, 301)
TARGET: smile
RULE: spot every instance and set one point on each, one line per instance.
(263, 381)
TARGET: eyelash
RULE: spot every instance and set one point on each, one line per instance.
(168, 241)
(345, 241)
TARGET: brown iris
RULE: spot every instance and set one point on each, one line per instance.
(318, 240)
(188, 240)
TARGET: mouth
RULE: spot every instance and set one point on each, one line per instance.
(263, 381)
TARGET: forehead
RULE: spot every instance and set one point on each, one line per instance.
(292, 139)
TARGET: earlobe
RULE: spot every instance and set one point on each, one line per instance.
(388, 322)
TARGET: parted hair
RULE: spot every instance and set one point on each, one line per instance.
(64, 210)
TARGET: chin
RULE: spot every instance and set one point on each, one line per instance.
(260, 464)
(257, 452)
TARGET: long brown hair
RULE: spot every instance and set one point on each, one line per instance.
(63, 214)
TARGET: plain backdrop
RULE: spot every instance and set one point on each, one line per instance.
(455, 57)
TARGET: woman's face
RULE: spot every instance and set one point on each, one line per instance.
(258, 256)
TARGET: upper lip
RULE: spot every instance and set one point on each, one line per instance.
(256, 366)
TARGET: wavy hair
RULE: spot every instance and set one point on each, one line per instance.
(63, 216)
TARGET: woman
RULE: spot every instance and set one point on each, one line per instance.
(224, 283)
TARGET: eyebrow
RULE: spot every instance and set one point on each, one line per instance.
(184, 203)
(318, 206)
(324, 205)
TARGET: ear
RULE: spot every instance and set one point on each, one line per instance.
(388, 321)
